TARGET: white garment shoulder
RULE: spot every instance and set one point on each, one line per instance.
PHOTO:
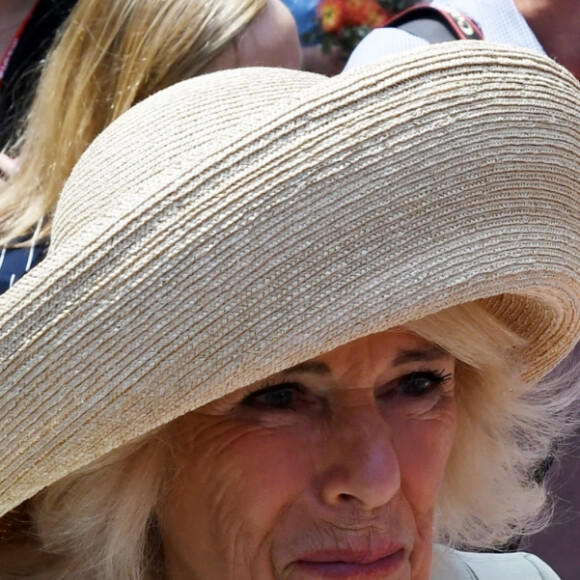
(454, 565)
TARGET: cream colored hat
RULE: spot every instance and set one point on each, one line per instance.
(241, 222)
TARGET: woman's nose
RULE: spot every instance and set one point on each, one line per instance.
(362, 465)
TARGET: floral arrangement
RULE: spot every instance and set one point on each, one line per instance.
(344, 23)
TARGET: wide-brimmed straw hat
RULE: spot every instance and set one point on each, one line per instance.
(238, 223)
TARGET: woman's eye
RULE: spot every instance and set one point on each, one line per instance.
(282, 396)
(421, 383)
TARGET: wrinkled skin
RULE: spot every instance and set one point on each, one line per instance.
(329, 470)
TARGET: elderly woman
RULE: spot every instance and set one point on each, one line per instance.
(296, 332)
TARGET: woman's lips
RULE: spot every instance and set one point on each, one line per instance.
(342, 565)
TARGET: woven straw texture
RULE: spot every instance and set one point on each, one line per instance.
(241, 222)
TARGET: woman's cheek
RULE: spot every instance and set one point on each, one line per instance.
(423, 447)
(233, 486)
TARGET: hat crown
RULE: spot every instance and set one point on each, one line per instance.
(132, 160)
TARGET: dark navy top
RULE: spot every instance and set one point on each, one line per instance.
(15, 262)
(17, 86)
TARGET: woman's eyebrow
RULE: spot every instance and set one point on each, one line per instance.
(420, 354)
(309, 366)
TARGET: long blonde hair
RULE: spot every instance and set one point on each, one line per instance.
(101, 522)
(110, 55)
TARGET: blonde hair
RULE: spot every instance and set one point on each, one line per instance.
(98, 523)
(505, 431)
(101, 522)
(110, 55)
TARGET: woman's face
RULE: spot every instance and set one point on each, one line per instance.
(328, 470)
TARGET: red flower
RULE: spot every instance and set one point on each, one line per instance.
(375, 15)
(355, 12)
(344, 23)
(330, 13)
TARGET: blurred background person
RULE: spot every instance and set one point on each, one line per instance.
(550, 27)
(111, 55)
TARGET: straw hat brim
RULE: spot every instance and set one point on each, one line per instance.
(241, 222)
